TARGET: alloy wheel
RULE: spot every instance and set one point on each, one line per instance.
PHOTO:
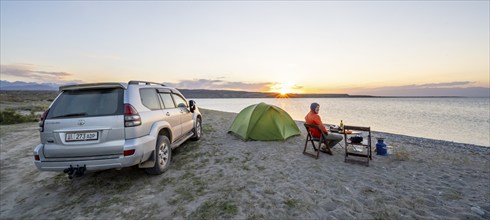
(163, 154)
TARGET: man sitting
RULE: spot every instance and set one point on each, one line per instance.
(313, 118)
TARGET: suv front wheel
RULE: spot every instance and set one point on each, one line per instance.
(197, 130)
(163, 155)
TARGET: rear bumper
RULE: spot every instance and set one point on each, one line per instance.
(143, 147)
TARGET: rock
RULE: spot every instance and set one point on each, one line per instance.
(478, 210)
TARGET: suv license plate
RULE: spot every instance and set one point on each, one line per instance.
(87, 136)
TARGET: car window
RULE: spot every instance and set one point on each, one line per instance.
(167, 100)
(179, 101)
(149, 99)
(88, 103)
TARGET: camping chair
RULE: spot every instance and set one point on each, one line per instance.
(310, 138)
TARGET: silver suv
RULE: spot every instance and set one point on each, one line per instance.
(102, 126)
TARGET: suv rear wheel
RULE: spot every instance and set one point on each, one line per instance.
(163, 155)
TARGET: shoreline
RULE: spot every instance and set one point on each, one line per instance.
(221, 176)
(450, 143)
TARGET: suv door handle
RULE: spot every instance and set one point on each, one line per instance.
(168, 114)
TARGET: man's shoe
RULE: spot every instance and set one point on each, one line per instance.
(326, 150)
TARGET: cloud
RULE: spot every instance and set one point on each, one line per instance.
(32, 72)
(289, 86)
(429, 85)
(218, 84)
(448, 84)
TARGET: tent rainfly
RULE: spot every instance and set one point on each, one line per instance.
(264, 122)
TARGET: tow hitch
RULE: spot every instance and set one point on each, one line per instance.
(75, 171)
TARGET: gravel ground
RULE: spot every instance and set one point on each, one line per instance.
(221, 176)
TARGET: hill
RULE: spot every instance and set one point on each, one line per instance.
(19, 85)
(51, 88)
(203, 93)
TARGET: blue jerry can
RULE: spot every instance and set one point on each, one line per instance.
(381, 147)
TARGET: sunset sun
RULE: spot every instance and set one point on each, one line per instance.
(283, 88)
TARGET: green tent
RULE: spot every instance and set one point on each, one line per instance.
(264, 122)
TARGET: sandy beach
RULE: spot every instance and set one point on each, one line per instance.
(221, 176)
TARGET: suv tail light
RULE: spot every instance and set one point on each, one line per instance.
(129, 152)
(131, 116)
(41, 120)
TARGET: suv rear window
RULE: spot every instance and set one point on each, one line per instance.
(88, 103)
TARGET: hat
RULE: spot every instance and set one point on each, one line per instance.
(314, 105)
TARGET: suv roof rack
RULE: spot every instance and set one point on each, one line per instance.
(133, 82)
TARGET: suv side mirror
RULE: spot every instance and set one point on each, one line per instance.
(192, 105)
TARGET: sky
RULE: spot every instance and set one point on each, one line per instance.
(354, 47)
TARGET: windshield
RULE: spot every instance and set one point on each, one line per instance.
(88, 103)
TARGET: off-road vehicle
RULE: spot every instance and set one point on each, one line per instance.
(100, 126)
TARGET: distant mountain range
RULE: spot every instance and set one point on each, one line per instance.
(205, 93)
(19, 85)
(191, 93)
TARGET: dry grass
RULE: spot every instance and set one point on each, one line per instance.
(401, 154)
(26, 100)
(215, 208)
(23, 106)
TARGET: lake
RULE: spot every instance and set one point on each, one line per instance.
(464, 120)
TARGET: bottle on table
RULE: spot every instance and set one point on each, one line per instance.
(341, 126)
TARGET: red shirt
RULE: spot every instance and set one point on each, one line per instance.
(314, 119)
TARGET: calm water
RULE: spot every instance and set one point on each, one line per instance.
(464, 120)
